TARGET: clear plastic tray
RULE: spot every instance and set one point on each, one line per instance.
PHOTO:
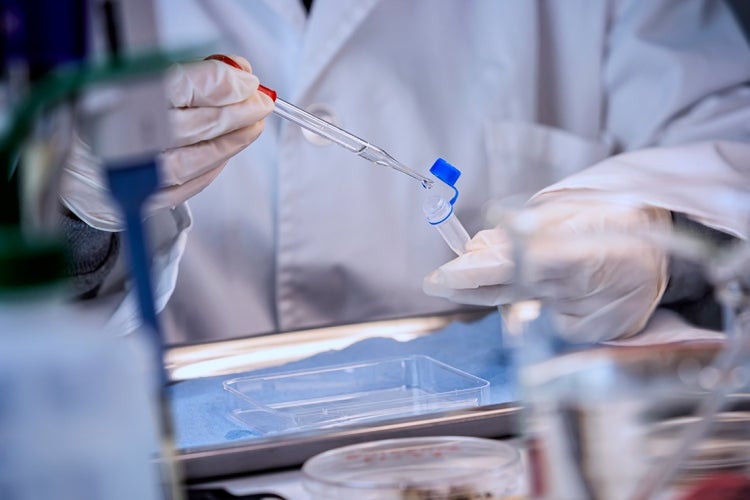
(352, 393)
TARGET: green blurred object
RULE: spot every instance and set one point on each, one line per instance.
(59, 86)
(28, 263)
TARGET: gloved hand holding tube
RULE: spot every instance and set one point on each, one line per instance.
(215, 111)
(598, 287)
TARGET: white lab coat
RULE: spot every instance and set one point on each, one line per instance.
(516, 93)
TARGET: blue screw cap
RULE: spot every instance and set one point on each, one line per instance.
(445, 172)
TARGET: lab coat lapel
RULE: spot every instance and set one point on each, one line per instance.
(331, 24)
(233, 17)
(291, 11)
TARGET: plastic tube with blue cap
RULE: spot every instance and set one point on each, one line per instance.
(438, 206)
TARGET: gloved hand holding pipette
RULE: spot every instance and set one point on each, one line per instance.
(215, 110)
(598, 289)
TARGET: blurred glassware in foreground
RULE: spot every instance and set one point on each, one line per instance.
(628, 422)
(77, 419)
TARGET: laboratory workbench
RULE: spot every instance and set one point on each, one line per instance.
(210, 445)
(214, 452)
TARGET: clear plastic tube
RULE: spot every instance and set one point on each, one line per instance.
(454, 234)
(439, 213)
(344, 139)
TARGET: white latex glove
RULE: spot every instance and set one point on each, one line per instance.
(599, 288)
(215, 111)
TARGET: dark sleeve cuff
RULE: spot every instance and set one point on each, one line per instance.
(689, 292)
(91, 254)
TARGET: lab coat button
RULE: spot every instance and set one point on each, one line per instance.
(324, 113)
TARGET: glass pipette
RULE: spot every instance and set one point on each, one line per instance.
(341, 137)
(331, 132)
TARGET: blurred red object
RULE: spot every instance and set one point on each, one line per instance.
(724, 486)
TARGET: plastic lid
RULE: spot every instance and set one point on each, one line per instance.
(448, 174)
(28, 263)
(440, 467)
(445, 172)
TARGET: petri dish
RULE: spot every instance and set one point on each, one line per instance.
(426, 468)
(724, 449)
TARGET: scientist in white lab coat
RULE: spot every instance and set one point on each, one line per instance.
(294, 233)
